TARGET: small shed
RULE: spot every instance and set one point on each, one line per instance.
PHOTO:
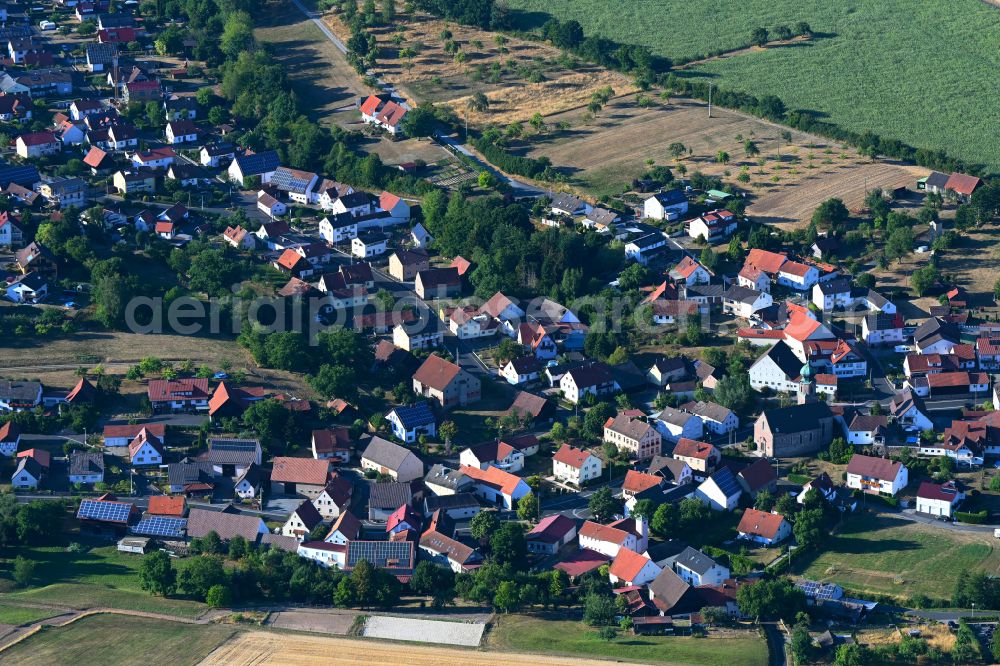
(137, 545)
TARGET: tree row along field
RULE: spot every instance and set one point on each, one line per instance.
(923, 73)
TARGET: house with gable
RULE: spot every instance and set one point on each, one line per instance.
(496, 486)
(576, 466)
(409, 422)
(393, 460)
(696, 568)
(631, 568)
(446, 383)
(721, 491)
(764, 528)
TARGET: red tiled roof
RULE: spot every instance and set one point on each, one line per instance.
(599, 532)
(130, 430)
(571, 456)
(461, 263)
(627, 564)
(800, 327)
(166, 505)
(160, 390)
(582, 561)
(289, 258)
(690, 448)
(768, 262)
(795, 268)
(760, 523)
(37, 138)
(877, 468)
(505, 482)
(637, 482)
(962, 183)
(551, 529)
(94, 157)
(436, 372)
(300, 470)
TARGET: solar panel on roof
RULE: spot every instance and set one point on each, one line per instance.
(379, 553)
(117, 512)
(161, 526)
(233, 444)
(726, 481)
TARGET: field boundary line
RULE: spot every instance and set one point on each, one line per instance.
(31, 631)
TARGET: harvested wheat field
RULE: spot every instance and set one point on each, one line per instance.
(421, 67)
(260, 648)
(788, 179)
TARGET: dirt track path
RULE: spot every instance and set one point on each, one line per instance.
(260, 648)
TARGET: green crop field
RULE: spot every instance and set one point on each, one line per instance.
(924, 73)
(524, 633)
(889, 555)
(115, 640)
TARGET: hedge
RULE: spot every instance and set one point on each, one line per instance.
(977, 518)
(519, 166)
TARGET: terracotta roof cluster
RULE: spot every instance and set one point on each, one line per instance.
(760, 523)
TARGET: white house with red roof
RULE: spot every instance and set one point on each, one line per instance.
(576, 466)
(763, 527)
(689, 271)
(797, 275)
(381, 111)
(188, 394)
(398, 209)
(37, 144)
(631, 568)
(876, 475)
(939, 499)
(145, 449)
(631, 533)
(496, 486)
(714, 226)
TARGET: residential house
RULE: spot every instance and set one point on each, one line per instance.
(495, 454)
(689, 271)
(631, 533)
(10, 439)
(716, 418)
(696, 568)
(333, 500)
(410, 422)
(216, 155)
(306, 477)
(593, 378)
(405, 264)
(867, 429)
(876, 475)
(764, 528)
(936, 336)
(427, 334)
(675, 425)
(392, 460)
(744, 302)
(630, 568)
(757, 477)
(701, 457)
(882, 329)
(673, 471)
(721, 491)
(665, 205)
(17, 396)
(64, 192)
(32, 468)
(714, 226)
(576, 466)
(332, 444)
(550, 534)
(260, 166)
(176, 395)
(301, 521)
(30, 288)
(385, 498)
(37, 144)
(436, 283)
(496, 486)
(469, 324)
(908, 409)
(522, 370)
(145, 449)
(178, 107)
(380, 111)
(939, 499)
(633, 435)
(446, 550)
(446, 383)
(135, 182)
(644, 249)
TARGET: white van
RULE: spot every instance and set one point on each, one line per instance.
(47, 25)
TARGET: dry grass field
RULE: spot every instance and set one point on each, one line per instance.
(974, 263)
(787, 180)
(433, 74)
(318, 69)
(937, 635)
(259, 649)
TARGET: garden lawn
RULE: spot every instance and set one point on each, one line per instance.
(523, 633)
(18, 615)
(888, 67)
(115, 640)
(101, 577)
(881, 553)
